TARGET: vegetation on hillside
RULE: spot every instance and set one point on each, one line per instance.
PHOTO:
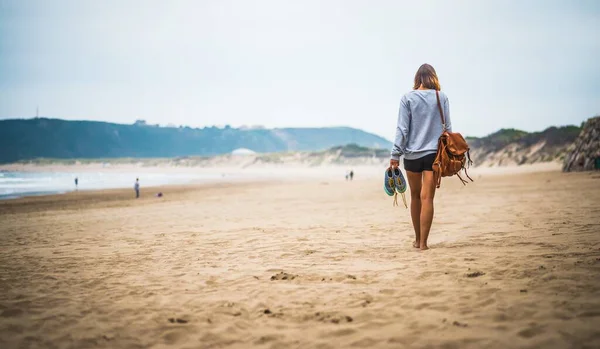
(510, 146)
(43, 141)
(60, 139)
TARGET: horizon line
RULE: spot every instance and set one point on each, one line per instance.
(258, 127)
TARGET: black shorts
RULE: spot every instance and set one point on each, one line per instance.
(421, 164)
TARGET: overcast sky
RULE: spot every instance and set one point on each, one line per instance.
(521, 64)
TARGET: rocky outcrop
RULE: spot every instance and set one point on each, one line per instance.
(510, 147)
(584, 154)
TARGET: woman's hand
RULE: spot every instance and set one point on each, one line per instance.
(394, 163)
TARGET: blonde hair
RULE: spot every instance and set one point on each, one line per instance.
(427, 77)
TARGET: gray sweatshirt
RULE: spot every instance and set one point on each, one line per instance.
(419, 124)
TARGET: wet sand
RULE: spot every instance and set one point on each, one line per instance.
(514, 263)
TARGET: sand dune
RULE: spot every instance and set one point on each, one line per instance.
(514, 263)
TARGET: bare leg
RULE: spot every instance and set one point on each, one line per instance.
(427, 194)
(414, 182)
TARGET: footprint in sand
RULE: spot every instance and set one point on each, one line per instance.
(267, 339)
(177, 320)
(269, 313)
(459, 324)
(333, 318)
(283, 276)
(343, 332)
(475, 274)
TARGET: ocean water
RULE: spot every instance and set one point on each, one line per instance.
(18, 184)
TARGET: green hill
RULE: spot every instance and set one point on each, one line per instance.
(25, 139)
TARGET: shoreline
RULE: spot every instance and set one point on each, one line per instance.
(165, 187)
(99, 167)
(195, 176)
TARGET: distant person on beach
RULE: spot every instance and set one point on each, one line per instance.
(76, 183)
(136, 187)
(417, 132)
(351, 174)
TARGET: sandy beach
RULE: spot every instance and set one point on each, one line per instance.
(315, 263)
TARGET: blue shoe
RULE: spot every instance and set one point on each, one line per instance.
(399, 181)
(388, 182)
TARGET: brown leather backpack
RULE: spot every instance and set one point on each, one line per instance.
(452, 154)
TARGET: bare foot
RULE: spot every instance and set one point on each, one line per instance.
(415, 244)
(423, 248)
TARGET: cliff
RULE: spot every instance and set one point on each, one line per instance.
(515, 147)
(584, 154)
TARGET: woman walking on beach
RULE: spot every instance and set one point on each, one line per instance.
(417, 133)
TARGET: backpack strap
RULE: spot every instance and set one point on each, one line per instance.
(437, 163)
(439, 104)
